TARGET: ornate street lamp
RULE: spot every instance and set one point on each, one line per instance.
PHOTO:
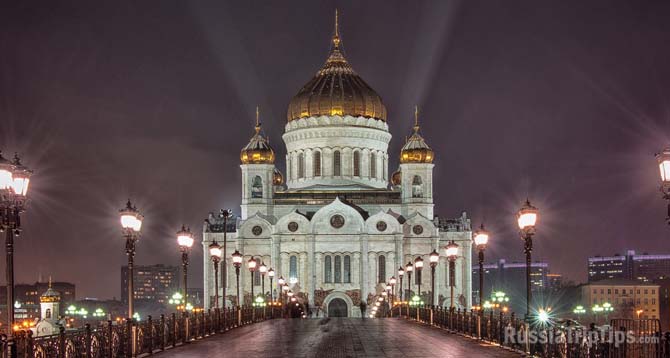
(281, 282)
(271, 274)
(215, 253)
(131, 223)
(527, 218)
(14, 180)
(663, 159)
(481, 238)
(418, 265)
(251, 264)
(401, 273)
(263, 270)
(434, 260)
(392, 282)
(408, 270)
(185, 242)
(224, 214)
(237, 262)
(451, 251)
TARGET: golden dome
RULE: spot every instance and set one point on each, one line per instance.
(336, 90)
(415, 149)
(258, 150)
(277, 177)
(396, 178)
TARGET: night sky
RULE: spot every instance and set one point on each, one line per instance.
(564, 102)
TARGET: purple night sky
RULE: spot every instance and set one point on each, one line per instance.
(561, 101)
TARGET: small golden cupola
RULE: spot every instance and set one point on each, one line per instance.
(50, 295)
(415, 149)
(336, 90)
(258, 150)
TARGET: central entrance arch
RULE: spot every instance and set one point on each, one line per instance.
(337, 307)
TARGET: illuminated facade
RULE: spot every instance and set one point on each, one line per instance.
(338, 225)
(155, 283)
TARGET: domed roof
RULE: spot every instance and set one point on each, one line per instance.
(415, 149)
(336, 90)
(258, 150)
(50, 295)
(277, 177)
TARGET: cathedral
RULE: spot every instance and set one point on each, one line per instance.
(338, 224)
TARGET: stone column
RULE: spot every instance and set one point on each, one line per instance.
(372, 272)
(363, 277)
(311, 268)
(303, 272)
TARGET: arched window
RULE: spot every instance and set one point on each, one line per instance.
(337, 163)
(357, 164)
(417, 187)
(328, 269)
(257, 187)
(373, 165)
(293, 269)
(347, 269)
(301, 165)
(317, 164)
(381, 270)
(257, 273)
(47, 313)
(338, 269)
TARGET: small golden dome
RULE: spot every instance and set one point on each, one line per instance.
(277, 177)
(336, 90)
(396, 178)
(258, 150)
(415, 149)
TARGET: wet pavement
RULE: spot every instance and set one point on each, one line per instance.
(337, 337)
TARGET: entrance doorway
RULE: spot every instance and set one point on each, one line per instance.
(337, 308)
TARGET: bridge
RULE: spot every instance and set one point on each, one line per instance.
(338, 337)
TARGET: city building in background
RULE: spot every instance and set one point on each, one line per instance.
(628, 298)
(645, 267)
(29, 294)
(511, 279)
(154, 284)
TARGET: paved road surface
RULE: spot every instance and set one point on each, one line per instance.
(338, 337)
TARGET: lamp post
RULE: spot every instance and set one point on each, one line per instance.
(14, 180)
(215, 254)
(408, 270)
(481, 238)
(281, 282)
(251, 264)
(392, 282)
(224, 214)
(237, 262)
(263, 270)
(131, 222)
(434, 259)
(401, 273)
(418, 265)
(663, 159)
(451, 250)
(271, 274)
(527, 218)
(185, 241)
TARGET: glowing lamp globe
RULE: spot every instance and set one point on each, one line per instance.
(130, 218)
(185, 238)
(237, 259)
(434, 258)
(6, 173)
(481, 237)
(271, 273)
(262, 268)
(409, 267)
(392, 281)
(215, 251)
(451, 250)
(401, 272)
(20, 178)
(663, 160)
(418, 263)
(251, 264)
(281, 281)
(527, 217)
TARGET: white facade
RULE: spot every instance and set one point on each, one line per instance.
(333, 226)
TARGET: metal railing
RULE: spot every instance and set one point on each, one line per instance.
(134, 339)
(623, 338)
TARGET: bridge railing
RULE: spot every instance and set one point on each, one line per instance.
(623, 338)
(133, 339)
